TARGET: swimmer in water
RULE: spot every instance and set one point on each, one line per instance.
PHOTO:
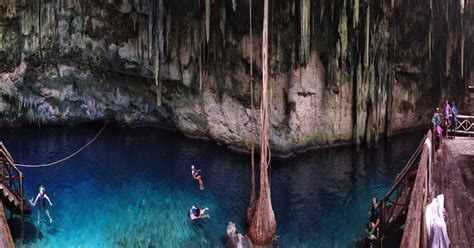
(42, 197)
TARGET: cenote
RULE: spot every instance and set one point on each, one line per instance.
(133, 188)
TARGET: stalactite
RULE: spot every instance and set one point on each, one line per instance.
(150, 28)
(332, 11)
(208, 19)
(158, 48)
(40, 31)
(293, 7)
(356, 13)
(200, 68)
(305, 12)
(447, 64)
(463, 37)
(321, 17)
(222, 23)
(392, 3)
(430, 32)
(367, 36)
(343, 31)
(430, 41)
(263, 227)
(447, 10)
(234, 5)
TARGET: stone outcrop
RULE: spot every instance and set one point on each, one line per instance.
(236, 239)
(363, 72)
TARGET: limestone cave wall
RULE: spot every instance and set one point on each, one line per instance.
(342, 71)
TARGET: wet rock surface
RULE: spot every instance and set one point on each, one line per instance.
(236, 239)
(65, 62)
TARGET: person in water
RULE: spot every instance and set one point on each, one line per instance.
(371, 233)
(196, 213)
(374, 213)
(197, 176)
(42, 197)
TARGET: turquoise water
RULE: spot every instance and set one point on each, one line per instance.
(133, 188)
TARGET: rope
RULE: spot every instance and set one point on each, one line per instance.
(66, 158)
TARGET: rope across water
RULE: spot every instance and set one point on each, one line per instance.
(66, 158)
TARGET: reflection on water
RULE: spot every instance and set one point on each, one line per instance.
(133, 188)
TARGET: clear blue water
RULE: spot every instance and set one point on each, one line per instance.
(133, 188)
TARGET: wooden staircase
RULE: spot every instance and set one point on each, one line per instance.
(11, 185)
(394, 205)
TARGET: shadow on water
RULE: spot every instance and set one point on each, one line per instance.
(30, 232)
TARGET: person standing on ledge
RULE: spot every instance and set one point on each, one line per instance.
(42, 197)
(437, 129)
(454, 115)
(447, 110)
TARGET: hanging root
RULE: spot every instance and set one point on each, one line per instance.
(263, 227)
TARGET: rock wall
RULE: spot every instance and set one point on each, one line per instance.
(341, 71)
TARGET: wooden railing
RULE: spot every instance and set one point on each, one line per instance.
(464, 124)
(11, 177)
(395, 202)
(406, 200)
(415, 234)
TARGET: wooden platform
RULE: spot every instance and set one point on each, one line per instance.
(6, 239)
(453, 176)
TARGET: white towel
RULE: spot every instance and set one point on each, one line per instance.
(435, 224)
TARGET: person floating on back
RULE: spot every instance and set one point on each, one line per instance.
(197, 176)
(196, 213)
(454, 116)
(42, 197)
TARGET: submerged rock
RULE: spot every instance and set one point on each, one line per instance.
(235, 239)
